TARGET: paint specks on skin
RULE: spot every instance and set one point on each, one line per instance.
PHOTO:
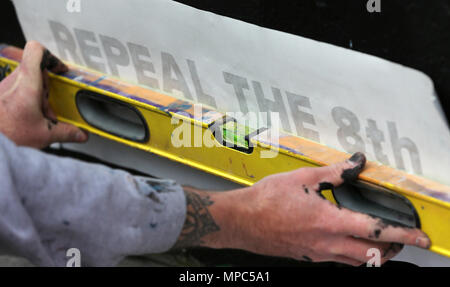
(383, 223)
(305, 189)
(377, 233)
(51, 123)
(379, 227)
(351, 174)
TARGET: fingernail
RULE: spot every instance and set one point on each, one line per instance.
(423, 242)
(81, 136)
(358, 159)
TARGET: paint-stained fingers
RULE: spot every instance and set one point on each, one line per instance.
(336, 174)
(363, 226)
(408, 236)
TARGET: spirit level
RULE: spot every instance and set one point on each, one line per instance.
(143, 118)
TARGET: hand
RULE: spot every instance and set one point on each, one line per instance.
(25, 115)
(284, 215)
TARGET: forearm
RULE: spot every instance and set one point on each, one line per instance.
(214, 219)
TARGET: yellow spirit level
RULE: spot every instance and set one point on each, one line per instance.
(148, 120)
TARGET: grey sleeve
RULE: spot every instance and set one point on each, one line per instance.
(50, 204)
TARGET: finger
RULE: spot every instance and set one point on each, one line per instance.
(36, 58)
(336, 174)
(361, 225)
(31, 62)
(357, 248)
(389, 233)
(64, 132)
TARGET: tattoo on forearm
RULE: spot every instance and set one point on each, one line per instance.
(199, 221)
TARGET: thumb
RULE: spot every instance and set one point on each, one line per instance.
(339, 173)
(63, 132)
